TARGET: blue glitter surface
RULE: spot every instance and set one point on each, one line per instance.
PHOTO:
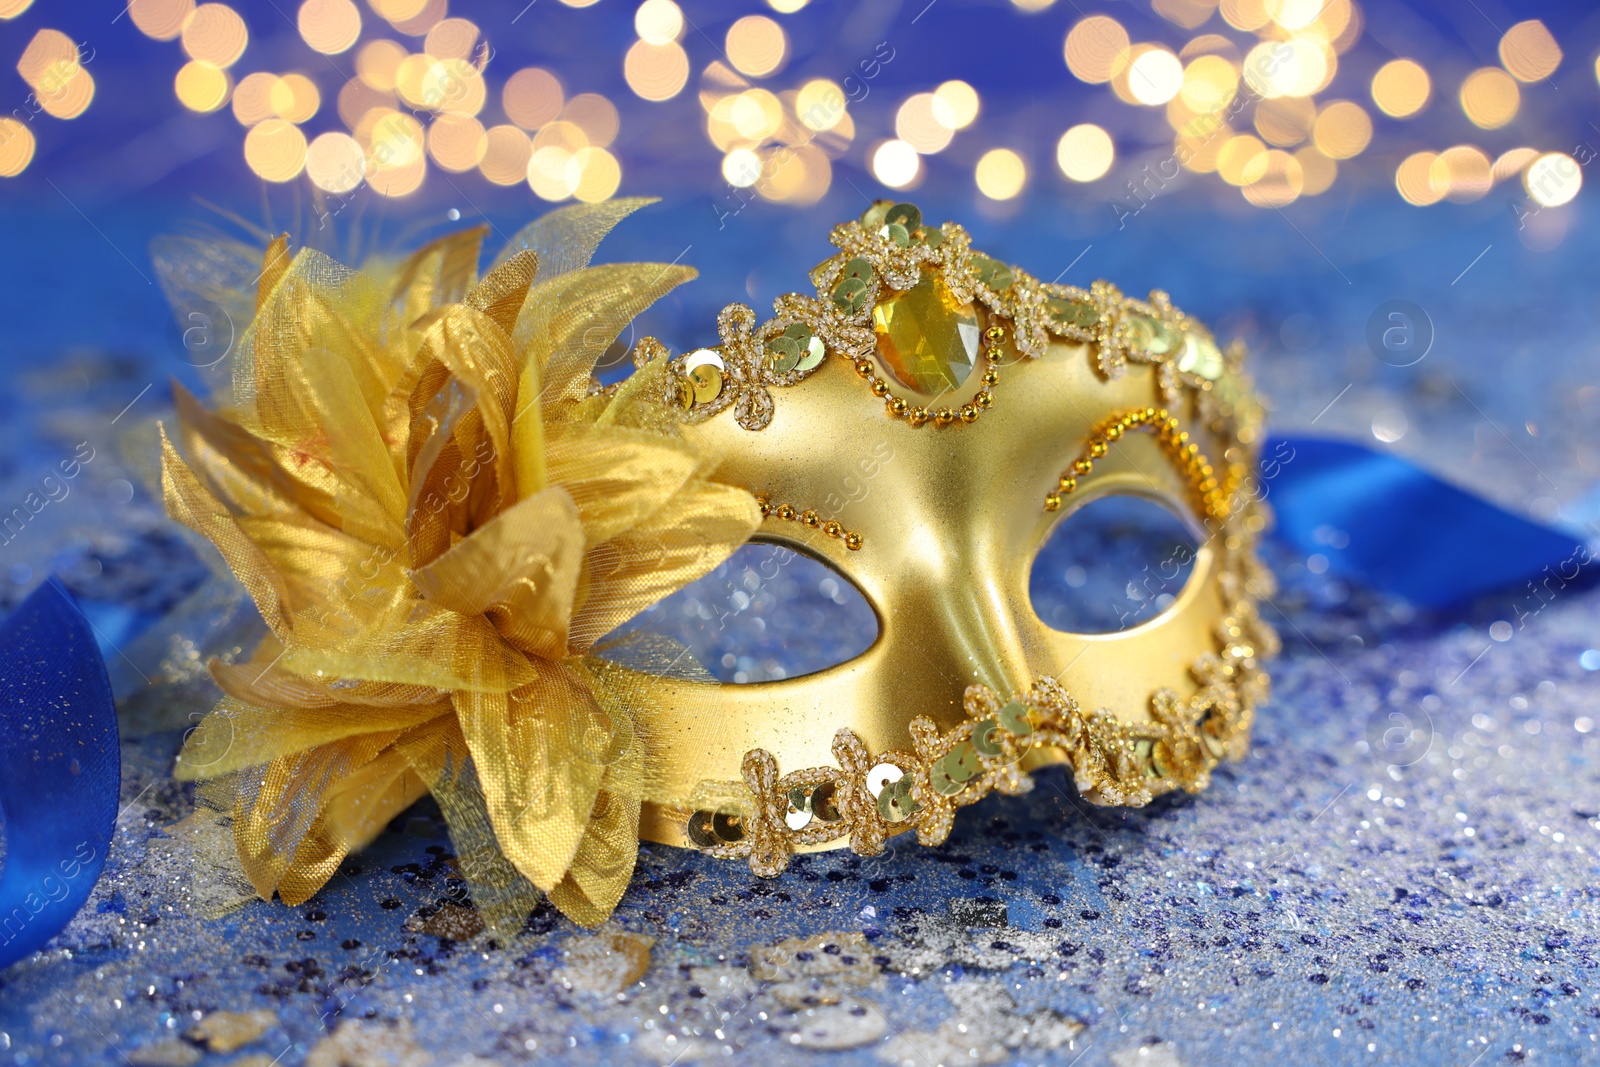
(1402, 871)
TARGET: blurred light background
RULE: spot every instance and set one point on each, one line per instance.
(1285, 168)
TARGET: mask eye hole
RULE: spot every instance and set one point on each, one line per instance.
(766, 614)
(1114, 563)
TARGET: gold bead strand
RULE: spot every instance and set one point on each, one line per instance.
(1209, 495)
(832, 527)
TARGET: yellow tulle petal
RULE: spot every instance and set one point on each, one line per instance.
(520, 570)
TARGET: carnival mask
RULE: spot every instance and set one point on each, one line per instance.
(984, 407)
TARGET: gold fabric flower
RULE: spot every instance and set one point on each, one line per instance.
(437, 514)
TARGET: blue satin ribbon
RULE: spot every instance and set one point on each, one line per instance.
(60, 768)
(1378, 520)
(1385, 523)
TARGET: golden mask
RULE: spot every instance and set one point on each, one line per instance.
(1007, 404)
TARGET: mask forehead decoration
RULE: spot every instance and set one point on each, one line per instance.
(921, 424)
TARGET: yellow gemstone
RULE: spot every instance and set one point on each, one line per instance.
(927, 340)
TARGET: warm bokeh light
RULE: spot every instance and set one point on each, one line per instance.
(1280, 182)
(1401, 88)
(1529, 51)
(1299, 66)
(741, 168)
(596, 116)
(335, 163)
(392, 140)
(1553, 179)
(599, 174)
(454, 85)
(294, 97)
(1463, 171)
(819, 105)
(1317, 171)
(917, 125)
(329, 26)
(161, 20)
(1294, 14)
(1285, 121)
(1490, 98)
(1096, 49)
(658, 21)
(252, 97)
(453, 38)
(787, 7)
(532, 97)
(1000, 174)
(1085, 152)
(275, 150)
(756, 45)
(378, 63)
(1414, 179)
(357, 99)
(896, 164)
(1210, 83)
(201, 87)
(399, 181)
(1511, 163)
(1185, 13)
(1242, 160)
(554, 172)
(656, 71)
(457, 143)
(16, 147)
(216, 34)
(955, 105)
(1155, 77)
(1343, 130)
(505, 155)
(413, 18)
(1245, 14)
(52, 66)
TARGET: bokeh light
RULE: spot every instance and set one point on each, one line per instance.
(52, 67)
(452, 38)
(457, 143)
(335, 163)
(378, 63)
(1085, 152)
(1001, 174)
(896, 164)
(599, 174)
(10, 9)
(1490, 98)
(16, 147)
(1343, 130)
(1401, 88)
(532, 97)
(505, 155)
(656, 71)
(1529, 51)
(917, 125)
(820, 105)
(756, 45)
(1513, 162)
(1210, 83)
(1155, 77)
(955, 105)
(741, 168)
(329, 26)
(161, 20)
(1242, 160)
(1553, 179)
(658, 21)
(596, 116)
(1463, 171)
(1416, 179)
(1285, 121)
(1096, 49)
(216, 34)
(201, 87)
(1317, 171)
(1279, 183)
(275, 149)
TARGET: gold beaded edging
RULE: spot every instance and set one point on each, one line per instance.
(831, 527)
(1213, 498)
(1113, 761)
(888, 248)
